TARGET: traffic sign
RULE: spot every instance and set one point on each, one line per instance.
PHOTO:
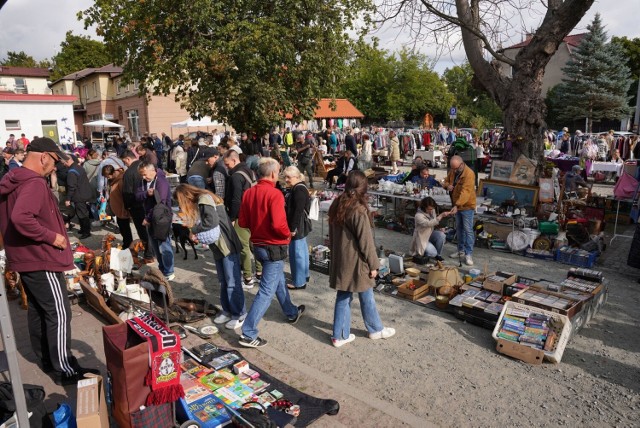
(453, 113)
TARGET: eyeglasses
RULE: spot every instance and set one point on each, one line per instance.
(55, 158)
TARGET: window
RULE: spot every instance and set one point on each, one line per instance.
(95, 89)
(136, 84)
(126, 88)
(12, 124)
(20, 86)
(118, 86)
(134, 129)
(85, 93)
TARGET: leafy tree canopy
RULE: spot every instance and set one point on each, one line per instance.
(77, 53)
(22, 59)
(631, 51)
(248, 62)
(399, 86)
(475, 107)
(596, 79)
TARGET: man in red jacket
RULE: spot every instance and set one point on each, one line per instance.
(262, 212)
(37, 247)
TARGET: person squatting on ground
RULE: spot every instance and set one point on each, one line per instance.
(354, 271)
(262, 212)
(427, 241)
(201, 210)
(37, 247)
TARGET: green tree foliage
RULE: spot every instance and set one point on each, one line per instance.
(22, 59)
(248, 62)
(77, 53)
(475, 108)
(400, 86)
(596, 80)
(631, 51)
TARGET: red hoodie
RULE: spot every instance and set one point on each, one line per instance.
(29, 221)
(262, 212)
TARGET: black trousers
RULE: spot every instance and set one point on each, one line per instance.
(82, 211)
(49, 318)
(137, 215)
(124, 224)
(307, 168)
(333, 173)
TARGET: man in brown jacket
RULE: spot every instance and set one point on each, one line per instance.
(460, 182)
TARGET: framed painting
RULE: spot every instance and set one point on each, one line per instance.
(501, 170)
(524, 171)
(500, 192)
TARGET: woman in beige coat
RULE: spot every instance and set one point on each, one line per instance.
(427, 241)
(354, 263)
(394, 151)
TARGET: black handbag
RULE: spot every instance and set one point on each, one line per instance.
(252, 415)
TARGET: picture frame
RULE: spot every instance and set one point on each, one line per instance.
(501, 170)
(524, 171)
(500, 192)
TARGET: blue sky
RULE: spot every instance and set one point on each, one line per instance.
(39, 26)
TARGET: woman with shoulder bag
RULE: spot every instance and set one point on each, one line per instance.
(204, 213)
(355, 262)
(297, 204)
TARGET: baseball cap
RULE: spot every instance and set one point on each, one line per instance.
(211, 152)
(44, 145)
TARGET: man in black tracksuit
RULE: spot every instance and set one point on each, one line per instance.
(80, 193)
(130, 182)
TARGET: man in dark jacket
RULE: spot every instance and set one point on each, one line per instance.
(154, 180)
(200, 170)
(80, 193)
(304, 147)
(217, 181)
(37, 247)
(240, 179)
(131, 181)
(350, 142)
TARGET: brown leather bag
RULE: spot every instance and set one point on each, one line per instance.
(127, 357)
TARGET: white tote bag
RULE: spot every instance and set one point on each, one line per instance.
(314, 209)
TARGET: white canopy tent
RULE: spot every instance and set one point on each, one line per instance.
(103, 124)
(204, 122)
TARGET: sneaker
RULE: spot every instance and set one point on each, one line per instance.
(439, 258)
(96, 223)
(252, 343)
(468, 260)
(385, 333)
(221, 319)
(247, 283)
(301, 309)
(339, 342)
(234, 324)
(457, 254)
(170, 277)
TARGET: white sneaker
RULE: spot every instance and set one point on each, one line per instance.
(457, 254)
(247, 284)
(170, 277)
(221, 319)
(339, 342)
(468, 260)
(385, 333)
(234, 324)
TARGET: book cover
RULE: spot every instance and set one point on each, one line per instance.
(195, 393)
(224, 361)
(194, 369)
(257, 386)
(209, 410)
(217, 379)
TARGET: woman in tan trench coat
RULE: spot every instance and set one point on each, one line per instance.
(354, 263)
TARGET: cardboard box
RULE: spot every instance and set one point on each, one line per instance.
(413, 289)
(496, 286)
(498, 230)
(523, 353)
(91, 405)
(574, 305)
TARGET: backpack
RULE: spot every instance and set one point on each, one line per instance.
(251, 180)
(161, 219)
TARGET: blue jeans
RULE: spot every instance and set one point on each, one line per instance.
(299, 261)
(231, 294)
(198, 181)
(272, 282)
(164, 253)
(464, 231)
(436, 243)
(342, 313)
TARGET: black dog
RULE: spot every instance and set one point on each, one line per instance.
(181, 236)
